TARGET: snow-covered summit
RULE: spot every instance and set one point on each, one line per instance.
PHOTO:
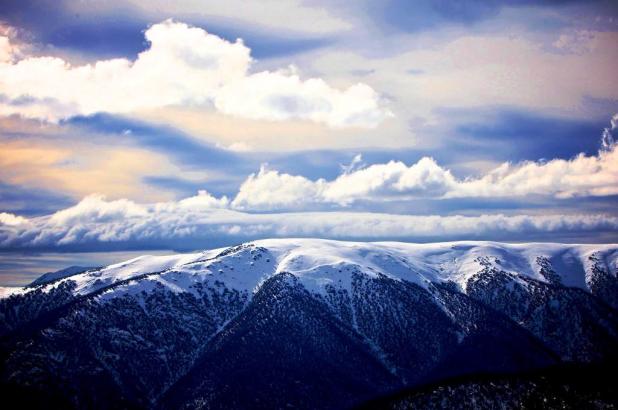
(320, 264)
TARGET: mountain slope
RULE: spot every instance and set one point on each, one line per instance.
(306, 323)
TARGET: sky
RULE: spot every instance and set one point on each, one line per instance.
(174, 126)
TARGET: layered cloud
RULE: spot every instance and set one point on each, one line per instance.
(96, 223)
(77, 168)
(183, 66)
(291, 16)
(205, 220)
(580, 176)
(562, 72)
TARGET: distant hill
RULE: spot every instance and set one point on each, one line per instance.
(59, 274)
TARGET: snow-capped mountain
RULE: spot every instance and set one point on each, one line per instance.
(305, 323)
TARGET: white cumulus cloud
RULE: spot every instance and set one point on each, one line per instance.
(269, 189)
(11, 219)
(183, 66)
(582, 175)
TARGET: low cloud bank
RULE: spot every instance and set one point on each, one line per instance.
(200, 221)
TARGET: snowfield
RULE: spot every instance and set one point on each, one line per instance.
(319, 263)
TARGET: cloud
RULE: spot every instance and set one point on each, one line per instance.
(580, 176)
(183, 66)
(282, 95)
(61, 161)
(6, 51)
(269, 189)
(422, 15)
(516, 69)
(578, 41)
(203, 200)
(75, 167)
(47, 167)
(608, 141)
(95, 209)
(96, 223)
(356, 163)
(11, 219)
(288, 16)
(33, 201)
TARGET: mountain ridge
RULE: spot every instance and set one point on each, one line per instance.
(380, 316)
(59, 274)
